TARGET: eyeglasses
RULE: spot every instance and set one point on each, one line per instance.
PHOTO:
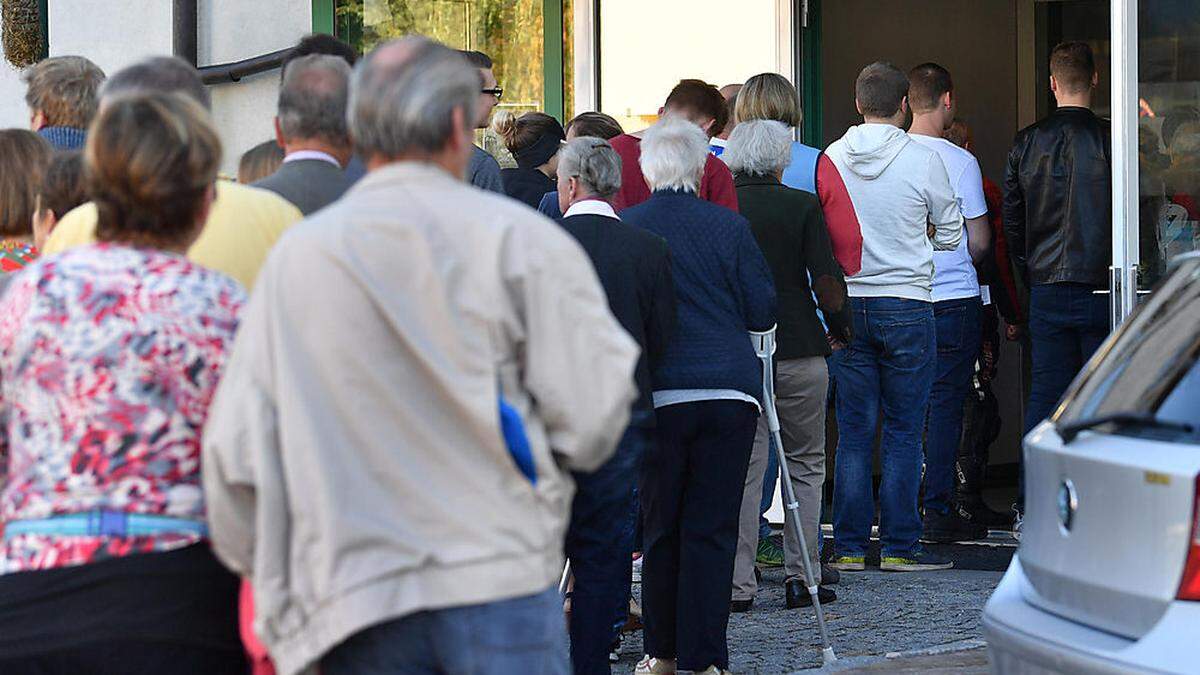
(498, 92)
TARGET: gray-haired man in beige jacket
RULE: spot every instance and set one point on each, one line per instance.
(419, 367)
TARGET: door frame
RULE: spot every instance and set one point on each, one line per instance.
(1123, 281)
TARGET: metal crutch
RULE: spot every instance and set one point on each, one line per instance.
(764, 347)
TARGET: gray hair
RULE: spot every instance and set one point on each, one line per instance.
(759, 148)
(158, 74)
(673, 154)
(312, 99)
(404, 95)
(594, 162)
(64, 89)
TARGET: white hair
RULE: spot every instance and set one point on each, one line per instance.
(759, 148)
(673, 155)
(594, 163)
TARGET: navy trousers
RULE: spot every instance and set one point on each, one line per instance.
(691, 492)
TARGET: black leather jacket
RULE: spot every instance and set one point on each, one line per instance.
(1058, 199)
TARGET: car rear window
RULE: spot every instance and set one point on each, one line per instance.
(1150, 364)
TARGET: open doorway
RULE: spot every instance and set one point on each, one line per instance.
(997, 53)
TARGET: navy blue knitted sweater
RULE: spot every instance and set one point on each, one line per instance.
(723, 290)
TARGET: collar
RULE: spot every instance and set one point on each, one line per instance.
(591, 207)
(740, 179)
(410, 171)
(301, 155)
(64, 138)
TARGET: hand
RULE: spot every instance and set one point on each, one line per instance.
(1013, 332)
(987, 361)
(836, 344)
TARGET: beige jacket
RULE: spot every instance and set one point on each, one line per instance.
(354, 465)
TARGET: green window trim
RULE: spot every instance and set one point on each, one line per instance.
(322, 16)
(552, 58)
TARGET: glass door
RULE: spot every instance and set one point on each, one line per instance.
(1156, 143)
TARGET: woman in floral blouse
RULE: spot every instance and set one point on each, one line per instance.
(23, 159)
(109, 356)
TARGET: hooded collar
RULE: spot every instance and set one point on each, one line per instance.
(871, 148)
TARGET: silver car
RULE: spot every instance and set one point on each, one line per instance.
(1107, 578)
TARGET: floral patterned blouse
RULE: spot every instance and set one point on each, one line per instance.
(109, 356)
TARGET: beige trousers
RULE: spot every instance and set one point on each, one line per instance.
(801, 388)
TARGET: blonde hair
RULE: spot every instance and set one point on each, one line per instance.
(259, 162)
(23, 159)
(64, 89)
(769, 96)
(151, 159)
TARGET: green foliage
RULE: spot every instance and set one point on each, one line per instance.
(23, 41)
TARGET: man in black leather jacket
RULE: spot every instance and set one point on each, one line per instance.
(1058, 220)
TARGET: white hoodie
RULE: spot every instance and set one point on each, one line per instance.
(899, 189)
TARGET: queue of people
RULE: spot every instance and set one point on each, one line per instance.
(354, 411)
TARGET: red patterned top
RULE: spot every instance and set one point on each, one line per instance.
(109, 357)
(15, 255)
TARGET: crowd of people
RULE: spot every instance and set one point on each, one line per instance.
(354, 410)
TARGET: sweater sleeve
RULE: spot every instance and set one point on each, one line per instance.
(754, 282)
(661, 319)
(828, 283)
(845, 233)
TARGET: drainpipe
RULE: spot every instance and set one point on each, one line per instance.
(183, 30)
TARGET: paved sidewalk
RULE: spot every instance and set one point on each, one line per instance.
(876, 613)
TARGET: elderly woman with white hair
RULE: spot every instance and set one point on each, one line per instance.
(707, 397)
(790, 228)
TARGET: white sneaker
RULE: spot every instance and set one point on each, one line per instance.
(653, 666)
(713, 670)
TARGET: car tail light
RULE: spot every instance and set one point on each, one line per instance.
(1189, 587)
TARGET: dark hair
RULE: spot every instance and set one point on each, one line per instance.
(478, 59)
(23, 158)
(1073, 66)
(697, 97)
(319, 43)
(63, 186)
(259, 162)
(159, 74)
(533, 138)
(959, 133)
(879, 89)
(927, 83)
(595, 124)
(151, 159)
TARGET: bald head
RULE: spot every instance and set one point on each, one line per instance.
(412, 96)
(312, 100)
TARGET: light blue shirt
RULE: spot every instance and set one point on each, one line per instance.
(801, 174)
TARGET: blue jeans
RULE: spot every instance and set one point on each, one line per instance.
(770, 482)
(508, 637)
(958, 340)
(887, 368)
(1067, 323)
(599, 544)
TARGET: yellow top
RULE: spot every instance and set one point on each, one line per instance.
(241, 229)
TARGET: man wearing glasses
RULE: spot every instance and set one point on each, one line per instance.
(483, 171)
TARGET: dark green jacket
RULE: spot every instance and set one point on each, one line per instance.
(790, 229)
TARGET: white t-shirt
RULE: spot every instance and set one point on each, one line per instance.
(954, 274)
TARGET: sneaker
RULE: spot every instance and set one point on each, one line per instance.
(770, 553)
(829, 576)
(741, 606)
(797, 594)
(650, 665)
(614, 650)
(946, 528)
(849, 563)
(921, 561)
(713, 670)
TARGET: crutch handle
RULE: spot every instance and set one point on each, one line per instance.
(764, 342)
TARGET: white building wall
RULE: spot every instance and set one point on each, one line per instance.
(129, 30)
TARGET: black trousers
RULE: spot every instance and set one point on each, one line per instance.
(691, 491)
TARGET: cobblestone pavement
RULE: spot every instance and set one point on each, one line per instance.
(876, 613)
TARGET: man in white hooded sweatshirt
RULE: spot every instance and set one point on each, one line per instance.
(898, 195)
